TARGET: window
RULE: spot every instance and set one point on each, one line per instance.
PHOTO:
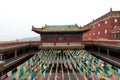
(98, 32)
(60, 38)
(115, 27)
(99, 25)
(93, 26)
(0, 57)
(105, 31)
(115, 20)
(115, 36)
(89, 38)
(89, 34)
(93, 33)
(106, 22)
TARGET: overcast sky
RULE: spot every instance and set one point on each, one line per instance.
(18, 16)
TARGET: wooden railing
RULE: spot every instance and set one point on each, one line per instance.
(12, 43)
(109, 42)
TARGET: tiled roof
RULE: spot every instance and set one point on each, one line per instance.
(61, 27)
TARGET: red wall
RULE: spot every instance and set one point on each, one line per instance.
(56, 39)
(93, 33)
(115, 24)
(47, 39)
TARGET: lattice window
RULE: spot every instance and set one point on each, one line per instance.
(105, 31)
(99, 32)
(106, 22)
(115, 36)
(115, 20)
(99, 25)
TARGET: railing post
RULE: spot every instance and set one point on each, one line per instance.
(1, 57)
(108, 52)
(15, 54)
(98, 49)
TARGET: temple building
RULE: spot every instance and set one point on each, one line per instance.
(104, 27)
(60, 35)
(68, 52)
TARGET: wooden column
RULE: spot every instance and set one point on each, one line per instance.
(68, 40)
(40, 41)
(54, 40)
(1, 57)
(98, 49)
(80, 39)
(108, 52)
(15, 54)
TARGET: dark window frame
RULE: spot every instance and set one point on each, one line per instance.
(115, 36)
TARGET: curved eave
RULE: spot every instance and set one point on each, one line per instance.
(50, 31)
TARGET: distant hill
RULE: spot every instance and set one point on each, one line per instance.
(30, 38)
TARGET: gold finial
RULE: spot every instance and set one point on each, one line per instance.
(42, 26)
(80, 26)
(32, 27)
(110, 9)
(76, 24)
(45, 25)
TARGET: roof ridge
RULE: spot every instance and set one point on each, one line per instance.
(63, 25)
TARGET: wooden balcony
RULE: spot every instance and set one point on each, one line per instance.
(110, 44)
